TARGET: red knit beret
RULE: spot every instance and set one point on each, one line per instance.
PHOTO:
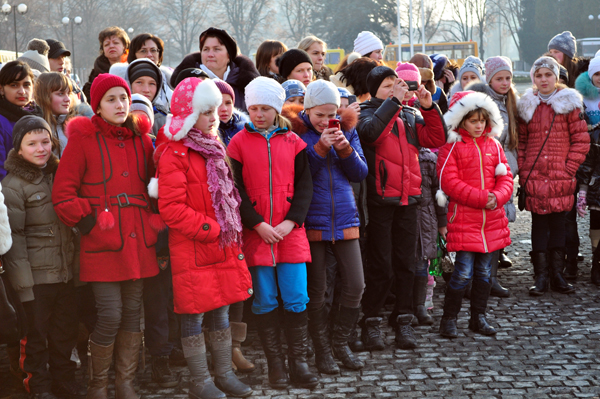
(103, 83)
(225, 88)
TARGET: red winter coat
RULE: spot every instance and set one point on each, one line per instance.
(551, 186)
(205, 276)
(470, 173)
(273, 177)
(108, 166)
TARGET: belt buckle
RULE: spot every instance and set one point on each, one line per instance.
(123, 205)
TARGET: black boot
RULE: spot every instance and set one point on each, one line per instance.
(371, 334)
(296, 335)
(497, 290)
(354, 342)
(503, 261)
(596, 268)
(405, 334)
(452, 304)
(270, 338)
(540, 270)
(468, 290)
(571, 269)
(344, 322)
(317, 327)
(162, 373)
(557, 264)
(419, 297)
(480, 294)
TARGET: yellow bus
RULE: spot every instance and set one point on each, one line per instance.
(8, 56)
(456, 51)
(333, 57)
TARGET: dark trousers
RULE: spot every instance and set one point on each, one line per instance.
(158, 308)
(572, 235)
(392, 240)
(547, 231)
(52, 335)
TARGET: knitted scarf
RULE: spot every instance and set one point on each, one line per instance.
(225, 197)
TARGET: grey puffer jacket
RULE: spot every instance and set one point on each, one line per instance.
(43, 250)
(430, 216)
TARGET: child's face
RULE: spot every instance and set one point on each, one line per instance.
(61, 101)
(558, 56)
(596, 79)
(320, 115)
(295, 100)
(501, 82)
(36, 147)
(226, 108)
(262, 116)
(475, 125)
(343, 104)
(545, 80)
(207, 122)
(146, 86)
(114, 106)
(467, 78)
(386, 88)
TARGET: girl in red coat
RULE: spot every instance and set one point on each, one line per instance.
(474, 173)
(271, 172)
(198, 200)
(553, 142)
(100, 187)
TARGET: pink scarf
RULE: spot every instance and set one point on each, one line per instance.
(225, 197)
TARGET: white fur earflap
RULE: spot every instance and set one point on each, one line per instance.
(441, 198)
(501, 170)
(471, 102)
(5, 232)
(153, 188)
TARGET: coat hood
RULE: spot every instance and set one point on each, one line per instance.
(563, 102)
(467, 103)
(18, 166)
(301, 124)
(586, 88)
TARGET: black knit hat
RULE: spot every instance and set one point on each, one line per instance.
(290, 60)
(144, 67)
(25, 125)
(376, 76)
(57, 49)
(224, 37)
(191, 73)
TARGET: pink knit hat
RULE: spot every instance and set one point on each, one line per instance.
(407, 71)
(494, 65)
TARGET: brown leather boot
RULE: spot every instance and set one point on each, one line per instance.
(99, 360)
(127, 348)
(238, 335)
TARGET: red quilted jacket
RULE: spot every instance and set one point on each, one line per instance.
(467, 168)
(551, 184)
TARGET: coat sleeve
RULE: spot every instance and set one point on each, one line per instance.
(433, 133)
(355, 165)
(580, 141)
(303, 190)
(453, 186)
(172, 196)
(71, 169)
(503, 190)
(586, 170)
(375, 127)
(17, 259)
(250, 217)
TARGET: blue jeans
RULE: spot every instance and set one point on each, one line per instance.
(469, 265)
(290, 278)
(191, 324)
(422, 268)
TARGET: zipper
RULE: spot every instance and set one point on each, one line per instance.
(332, 200)
(271, 194)
(454, 214)
(483, 188)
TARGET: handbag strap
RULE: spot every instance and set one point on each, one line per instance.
(540, 153)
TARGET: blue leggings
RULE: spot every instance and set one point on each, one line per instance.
(191, 324)
(290, 278)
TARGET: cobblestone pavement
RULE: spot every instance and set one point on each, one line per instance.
(545, 347)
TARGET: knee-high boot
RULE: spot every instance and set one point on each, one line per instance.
(201, 385)
(296, 335)
(99, 361)
(269, 332)
(319, 332)
(225, 379)
(127, 348)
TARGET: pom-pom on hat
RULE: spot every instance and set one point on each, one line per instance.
(265, 91)
(103, 83)
(376, 76)
(191, 98)
(289, 60)
(545, 62)
(225, 88)
(408, 72)
(321, 92)
(293, 88)
(565, 43)
(493, 65)
(366, 42)
(141, 103)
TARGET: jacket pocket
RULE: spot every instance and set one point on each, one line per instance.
(42, 248)
(36, 199)
(111, 240)
(150, 235)
(207, 254)
(383, 176)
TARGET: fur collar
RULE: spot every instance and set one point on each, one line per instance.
(242, 72)
(348, 119)
(586, 88)
(85, 127)
(18, 166)
(563, 102)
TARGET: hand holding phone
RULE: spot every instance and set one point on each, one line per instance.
(334, 123)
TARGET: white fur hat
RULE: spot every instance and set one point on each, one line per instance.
(265, 91)
(366, 42)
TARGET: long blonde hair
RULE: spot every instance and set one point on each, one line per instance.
(283, 122)
(45, 85)
(513, 126)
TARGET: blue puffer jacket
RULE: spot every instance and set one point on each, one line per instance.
(236, 123)
(333, 214)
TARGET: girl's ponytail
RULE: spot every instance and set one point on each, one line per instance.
(513, 127)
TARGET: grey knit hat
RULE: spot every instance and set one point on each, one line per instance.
(545, 62)
(565, 43)
(25, 125)
(321, 92)
(35, 60)
(471, 64)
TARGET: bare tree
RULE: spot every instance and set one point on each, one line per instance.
(297, 16)
(471, 18)
(433, 19)
(511, 16)
(244, 19)
(182, 22)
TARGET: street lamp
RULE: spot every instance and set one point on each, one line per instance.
(21, 9)
(75, 21)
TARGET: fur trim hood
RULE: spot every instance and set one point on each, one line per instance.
(18, 166)
(468, 103)
(586, 88)
(563, 102)
(348, 119)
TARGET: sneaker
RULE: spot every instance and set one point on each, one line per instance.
(405, 334)
(162, 374)
(371, 334)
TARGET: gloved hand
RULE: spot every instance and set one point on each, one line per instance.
(581, 203)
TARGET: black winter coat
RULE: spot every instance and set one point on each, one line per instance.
(588, 174)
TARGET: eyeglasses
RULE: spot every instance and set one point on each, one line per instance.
(145, 51)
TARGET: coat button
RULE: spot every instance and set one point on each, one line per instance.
(241, 256)
(132, 235)
(205, 227)
(120, 138)
(125, 174)
(250, 291)
(122, 145)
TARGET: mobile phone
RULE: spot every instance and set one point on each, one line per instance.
(351, 99)
(412, 85)
(334, 123)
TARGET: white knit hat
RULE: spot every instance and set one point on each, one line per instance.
(265, 91)
(594, 66)
(367, 42)
(141, 103)
(35, 61)
(321, 92)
